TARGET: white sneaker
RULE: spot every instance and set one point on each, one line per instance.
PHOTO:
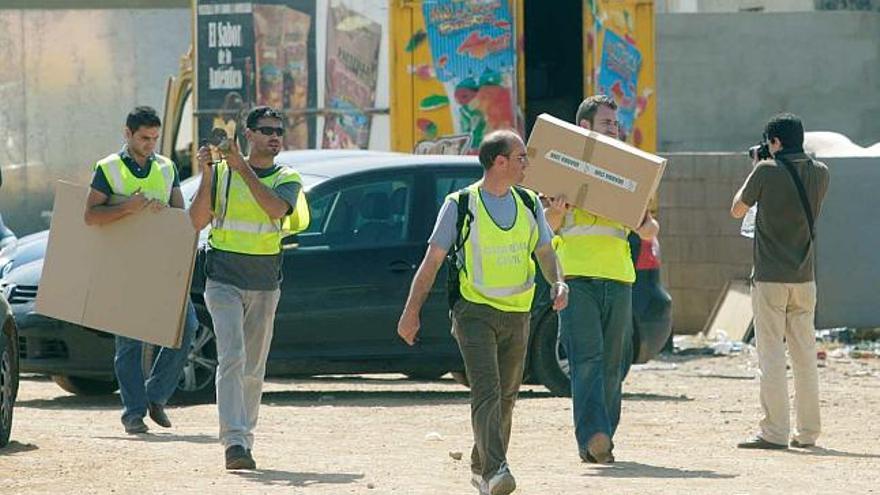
(480, 484)
(502, 483)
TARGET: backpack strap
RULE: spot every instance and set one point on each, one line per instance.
(527, 200)
(464, 218)
(802, 193)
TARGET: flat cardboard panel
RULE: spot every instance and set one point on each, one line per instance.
(733, 312)
(598, 173)
(64, 284)
(129, 278)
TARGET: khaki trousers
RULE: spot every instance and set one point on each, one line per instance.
(787, 311)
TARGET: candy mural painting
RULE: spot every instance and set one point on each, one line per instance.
(468, 58)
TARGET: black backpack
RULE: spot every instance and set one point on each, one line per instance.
(464, 218)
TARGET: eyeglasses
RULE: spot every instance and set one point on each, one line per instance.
(523, 158)
(269, 130)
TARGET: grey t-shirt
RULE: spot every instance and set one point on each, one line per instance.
(782, 235)
(502, 210)
(251, 271)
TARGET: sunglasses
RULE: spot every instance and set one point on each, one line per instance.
(269, 130)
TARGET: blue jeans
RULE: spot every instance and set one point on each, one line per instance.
(134, 389)
(596, 333)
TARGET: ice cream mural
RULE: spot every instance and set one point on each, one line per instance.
(613, 40)
(472, 56)
(351, 75)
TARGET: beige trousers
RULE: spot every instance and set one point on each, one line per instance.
(787, 311)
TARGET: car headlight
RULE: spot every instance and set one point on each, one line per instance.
(8, 250)
(5, 266)
(6, 289)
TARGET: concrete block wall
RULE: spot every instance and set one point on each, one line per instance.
(701, 247)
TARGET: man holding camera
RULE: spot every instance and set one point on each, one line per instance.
(596, 327)
(788, 188)
(141, 180)
(248, 202)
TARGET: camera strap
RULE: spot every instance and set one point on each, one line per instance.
(801, 192)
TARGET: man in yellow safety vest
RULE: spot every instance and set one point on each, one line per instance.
(596, 328)
(490, 318)
(251, 203)
(145, 181)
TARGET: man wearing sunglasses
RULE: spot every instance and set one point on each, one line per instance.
(249, 202)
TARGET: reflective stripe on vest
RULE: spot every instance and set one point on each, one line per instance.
(156, 185)
(591, 246)
(240, 224)
(498, 269)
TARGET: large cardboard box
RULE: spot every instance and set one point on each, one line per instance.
(129, 278)
(600, 174)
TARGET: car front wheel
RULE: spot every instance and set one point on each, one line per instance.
(549, 364)
(8, 383)
(197, 378)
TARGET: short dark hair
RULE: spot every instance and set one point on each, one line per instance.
(495, 144)
(142, 116)
(788, 128)
(588, 108)
(261, 112)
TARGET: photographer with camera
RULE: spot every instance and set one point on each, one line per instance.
(789, 188)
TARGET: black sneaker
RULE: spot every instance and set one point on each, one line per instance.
(760, 443)
(237, 457)
(134, 426)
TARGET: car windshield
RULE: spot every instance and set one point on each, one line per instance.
(189, 186)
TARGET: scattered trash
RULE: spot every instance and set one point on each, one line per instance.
(455, 454)
(698, 345)
(371, 486)
(855, 343)
(433, 437)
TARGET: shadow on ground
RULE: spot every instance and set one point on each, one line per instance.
(628, 469)
(649, 397)
(825, 452)
(14, 447)
(274, 477)
(163, 438)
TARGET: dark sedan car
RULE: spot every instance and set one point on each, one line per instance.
(344, 286)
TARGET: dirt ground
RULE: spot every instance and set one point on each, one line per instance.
(386, 435)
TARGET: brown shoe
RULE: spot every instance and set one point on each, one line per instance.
(237, 457)
(157, 414)
(760, 443)
(599, 449)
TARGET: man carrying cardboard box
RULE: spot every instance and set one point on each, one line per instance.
(249, 202)
(596, 327)
(123, 184)
(490, 313)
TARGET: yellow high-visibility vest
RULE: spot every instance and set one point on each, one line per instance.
(592, 246)
(240, 225)
(156, 185)
(498, 269)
